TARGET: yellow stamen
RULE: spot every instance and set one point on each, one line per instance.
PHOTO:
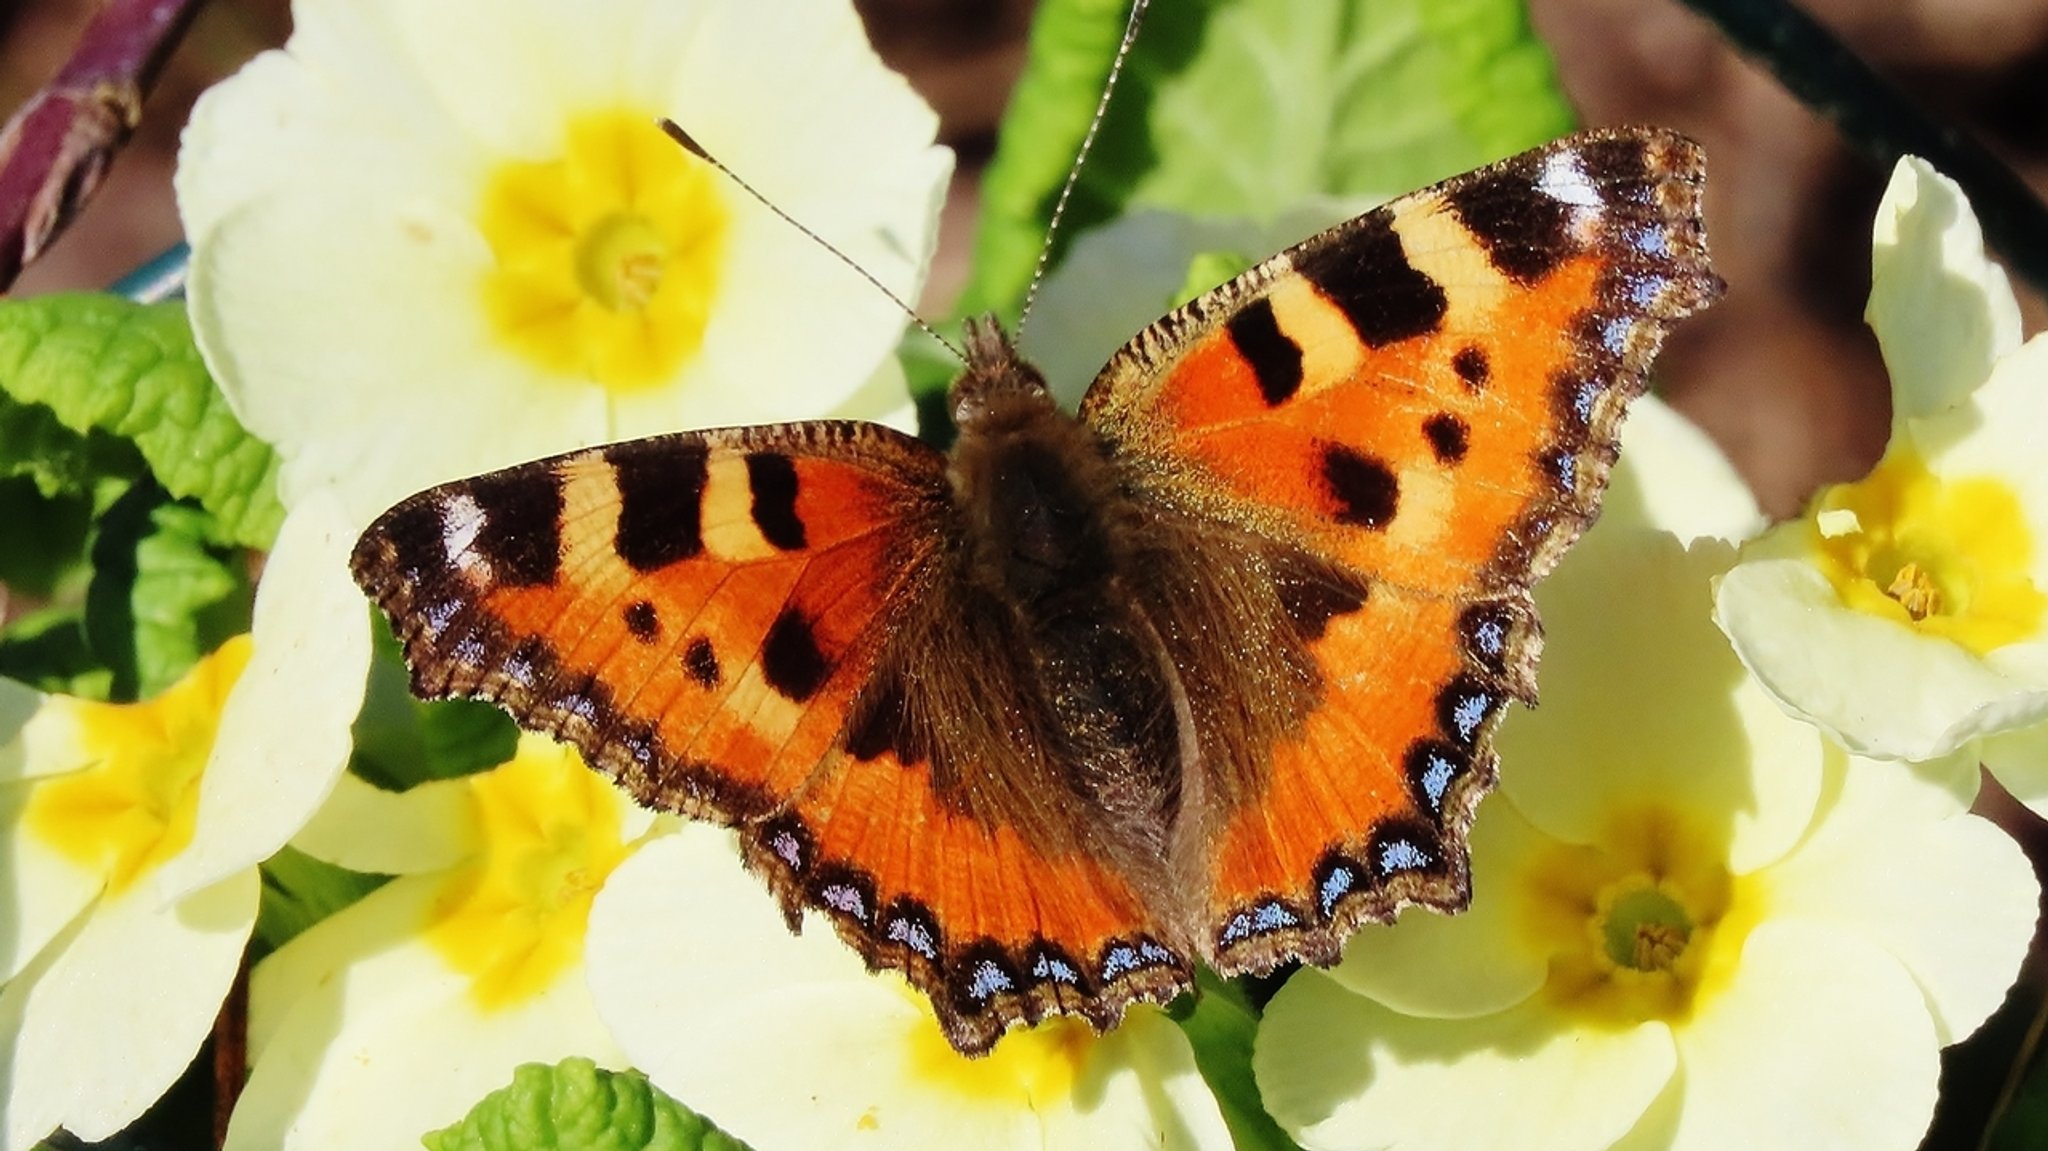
(1950, 557)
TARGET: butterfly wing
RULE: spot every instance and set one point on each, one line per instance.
(708, 618)
(1419, 408)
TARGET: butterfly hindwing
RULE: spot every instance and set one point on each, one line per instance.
(1426, 399)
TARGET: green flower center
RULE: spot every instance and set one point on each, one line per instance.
(1638, 923)
(608, 259)
(1949, 557)
(1646, 930)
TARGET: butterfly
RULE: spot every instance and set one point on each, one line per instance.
(1207, 674)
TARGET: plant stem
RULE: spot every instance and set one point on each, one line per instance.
(55, 149)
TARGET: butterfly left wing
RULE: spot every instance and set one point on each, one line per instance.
(1402, 422)
(767, 628)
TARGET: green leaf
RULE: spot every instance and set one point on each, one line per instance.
(101, 363)
(161, 594)
(1221, 1028)
(48, 651)
(1247, 107)
(60, 461)
(300, 891)
(577, 1106)
(401, 740)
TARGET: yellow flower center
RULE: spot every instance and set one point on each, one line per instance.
(609, 256)
(1639, 925)
(513, 918)
(1948, 557)
(1034, 1068)
(135, 803)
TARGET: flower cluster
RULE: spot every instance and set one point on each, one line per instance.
(1731, 892)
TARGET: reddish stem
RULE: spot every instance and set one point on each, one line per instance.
(56, 148)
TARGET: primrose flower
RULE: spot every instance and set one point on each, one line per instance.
(1696, 924)
(788, 1043)
(425, 995)
(108, 988)
(1906, 614)
(432, 237)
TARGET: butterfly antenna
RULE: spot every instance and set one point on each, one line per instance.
(1059, 207)
(675, 132)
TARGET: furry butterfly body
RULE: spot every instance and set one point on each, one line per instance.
(1208, 673)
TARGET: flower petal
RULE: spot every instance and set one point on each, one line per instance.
(41, 892)
(1897, 861)
(369, 955)
(1673, 476)
(713, 1004)
(1943, 313)
(428, 827)
(1877, 687)
(1988, 438)
(1457, 966)
(2019, 760)
(284, 733)
(19, 703)
(1754, 1077)
(1340, 1071)
(1644, 705)
(392, 1030)
(98, 1035)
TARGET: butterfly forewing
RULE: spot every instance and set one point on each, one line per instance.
(694, 612)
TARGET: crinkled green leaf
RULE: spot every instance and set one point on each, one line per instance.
(162, 595)
(300, 891)
(60, 461)
(401, 740)
(577, 1106)
(1246, 107)
(99, 362)
(1220, 1027)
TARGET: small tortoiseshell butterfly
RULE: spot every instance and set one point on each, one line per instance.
(1208, 673)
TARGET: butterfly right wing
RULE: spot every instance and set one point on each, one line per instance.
(764, 628)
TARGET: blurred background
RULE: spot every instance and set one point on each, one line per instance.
(1782, 372)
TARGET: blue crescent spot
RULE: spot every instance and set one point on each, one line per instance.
(1469, 712)
(988, 980)
(1048, 967)
(1335, 886)
(1402, 855)
(844, 898)
(912, 935)
(1436, 779)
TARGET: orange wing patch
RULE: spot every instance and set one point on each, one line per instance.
(694, 613)
(1366, 806)
(990, 929)
(1429, 393)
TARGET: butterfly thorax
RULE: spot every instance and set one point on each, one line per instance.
(1046, 524)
